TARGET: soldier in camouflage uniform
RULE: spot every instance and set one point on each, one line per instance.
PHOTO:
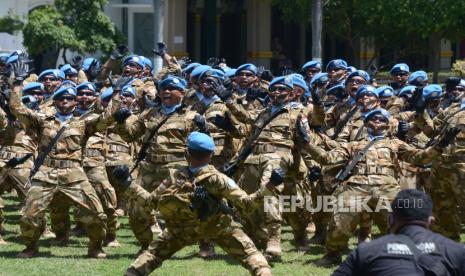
(61, 180)
(373, 179)
(184, 224)
(166, 149)
(448, 171)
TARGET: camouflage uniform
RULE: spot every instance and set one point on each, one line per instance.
(166, 152)
(183, 227)
(61, 180)
(448, 171)
(272, 149)
(373, 180)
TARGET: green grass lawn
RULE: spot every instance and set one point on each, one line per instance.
(71, 260)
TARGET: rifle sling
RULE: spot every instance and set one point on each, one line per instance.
(350, 166)
(343, 123)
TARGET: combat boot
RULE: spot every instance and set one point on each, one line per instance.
(2, 241)
(329, 259)
(28, 252)
(96, 253)
(273, 246)
(132, 272)
(311, 228)
(263, 271)
(61, 240)
(300, 242)
(79, 230)
(48, 234)
(206, 249)
(364, 235)
(320, 235)
(111, 241)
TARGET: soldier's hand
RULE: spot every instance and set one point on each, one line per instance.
(227, 83)
(451, 83)
(119, 52)
(252, 94)
(121, 115)
(213, 62)
(201, 123)
(316, 100)
(21, 71)
(121, 82)
(161, 51)
(448, 137)
(266, 75)
(223, 122)
(220, 90)
(123, 177)
(77, 62)
(93, 70)
(418, 101)
(402, 129)
(277, 176)
(314, 174)
(184, 61)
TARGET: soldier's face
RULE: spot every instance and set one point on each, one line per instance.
(206, 86)
(377, 124)
(297, 93)
(127, 100)
(65, 104)
(171, 96)
(354, 84)
(85, 99)
(147, 72)
(279, 94)
(310, 72)
(132, 69)
(458, 92)
(50, 83)
(400, 77)
(368, 102)
(72, 78)
(38, 94)
(336, 74)
(245, 79)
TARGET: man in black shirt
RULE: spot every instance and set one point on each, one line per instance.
(411, 249)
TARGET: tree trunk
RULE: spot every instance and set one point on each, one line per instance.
(158, 20)
(317, 26)
(435, 46)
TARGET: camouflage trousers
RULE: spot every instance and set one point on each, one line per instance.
(41, 195)
(141, 219)
(448, 192)
(98, 178)
(12, 179)
(345, 219)
(264, 222)
(121, 200)
(230, 238)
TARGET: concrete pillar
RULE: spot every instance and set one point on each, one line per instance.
(446, 55)
(259, 32)
(175, 27)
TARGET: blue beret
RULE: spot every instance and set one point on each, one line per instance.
(381, 111)
(400, 67)
(212, 73)
(128, 89)
(366, 90)
(461, 83)
(12, 59)
(3, 57)
(285, 80)
(335, 89)
(351, 69)
(432, 91)
(147, 62)
(173, 81)
(63, 91)
(33, 86)
(320, 78)
(417, 78)
(359, 73)
(298, 80)
(407, 91)
(135, 59)
(86, 86)
(195, 74)
(87, 62)
(200, 141)
(311, 64)
(67, 69)
(385, 91)
(54, 72)
(248, 66)
(230, 73)
(336, 64)
(106, 95)
(191, 66)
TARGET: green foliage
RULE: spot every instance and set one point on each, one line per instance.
(298, 11)
(77, 25)
(10, 24)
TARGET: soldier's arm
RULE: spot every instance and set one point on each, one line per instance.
(133, 128)
(3, 119)
(141, 196)
(239, 112)
(105, 119)
(222, 186)
(344, 137)
(29, 118)
(316, 115)
(416, 156)
(172, 67)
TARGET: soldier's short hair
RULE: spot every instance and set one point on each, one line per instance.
(412, 204)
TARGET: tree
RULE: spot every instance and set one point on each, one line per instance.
(10, 24)
(80, 26)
